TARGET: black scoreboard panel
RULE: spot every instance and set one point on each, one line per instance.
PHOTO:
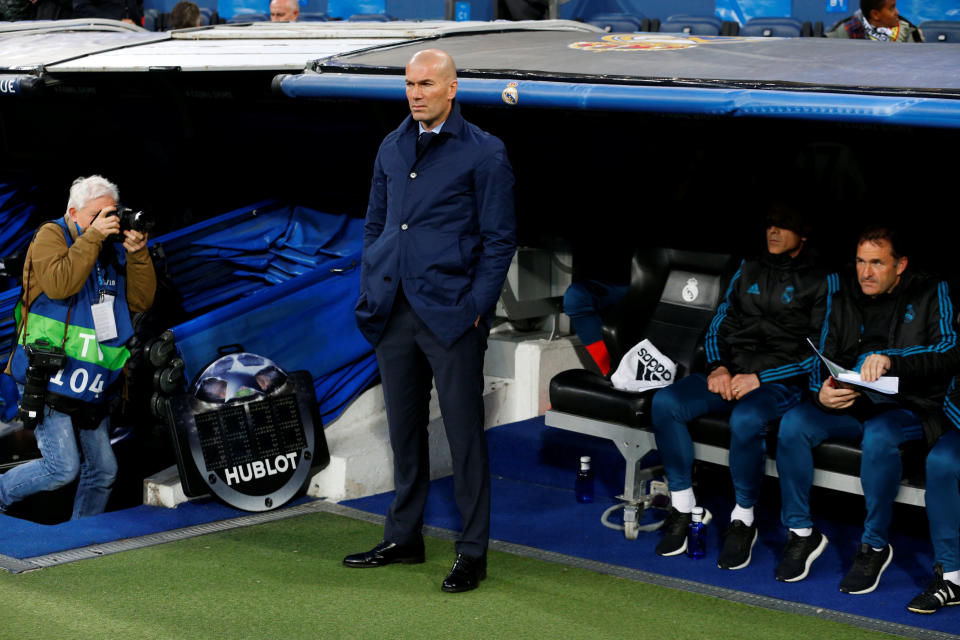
(279, 426)
(234, 435)
(230, 437)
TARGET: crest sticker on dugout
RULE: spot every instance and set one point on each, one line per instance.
(641, 42)
(510, 94)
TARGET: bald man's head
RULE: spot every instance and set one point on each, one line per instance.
(431, 86)
(284, 10)
(438, 59)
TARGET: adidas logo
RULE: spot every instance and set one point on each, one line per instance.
(945, 594)
(653, 371)
(754, 289)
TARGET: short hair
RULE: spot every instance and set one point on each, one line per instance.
(878, 233)
(788, 216)
(866, 6)
(83, 190)
(292, 5)
(184, 14)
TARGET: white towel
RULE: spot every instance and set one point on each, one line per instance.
(644, 367)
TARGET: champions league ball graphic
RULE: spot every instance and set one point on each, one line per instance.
(248, 426)
(237, 378)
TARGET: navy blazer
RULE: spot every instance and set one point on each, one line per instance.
(442, 224)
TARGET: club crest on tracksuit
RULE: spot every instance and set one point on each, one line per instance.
(787, 295)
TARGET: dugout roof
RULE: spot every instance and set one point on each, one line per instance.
(806, 78)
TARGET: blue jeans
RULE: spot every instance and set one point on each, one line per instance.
(62, 460)
(583, 301)
(806, 426)
(689, 398)
(943, 500)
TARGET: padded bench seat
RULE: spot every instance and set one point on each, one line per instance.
(585, 393)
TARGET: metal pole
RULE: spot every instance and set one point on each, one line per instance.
(450, 10)
(553, 10)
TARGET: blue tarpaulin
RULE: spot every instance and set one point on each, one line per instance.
(229, 257)
(16, 220)
(281, 281)
(16, 216)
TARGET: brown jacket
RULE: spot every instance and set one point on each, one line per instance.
(60, 272)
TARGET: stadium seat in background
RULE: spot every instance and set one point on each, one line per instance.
(692, 25)
(315, 16)
(620, 22)
(370, 17)
(730, 28)
(205, 14)
(940, 31)
(776, 28)
(249, 17)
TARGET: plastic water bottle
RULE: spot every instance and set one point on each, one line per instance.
(697, 535)
(583, 486)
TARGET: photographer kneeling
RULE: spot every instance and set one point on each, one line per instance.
(79, 289)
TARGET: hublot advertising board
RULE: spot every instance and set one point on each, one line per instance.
(248, 432)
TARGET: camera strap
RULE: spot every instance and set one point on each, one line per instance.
(26, 302)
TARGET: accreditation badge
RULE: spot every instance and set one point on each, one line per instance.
(104, 321)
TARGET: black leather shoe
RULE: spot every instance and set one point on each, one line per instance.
(386, 553)
(466, 574)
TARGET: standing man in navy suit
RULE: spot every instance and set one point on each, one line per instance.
(438, 240)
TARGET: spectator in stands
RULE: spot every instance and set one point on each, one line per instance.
(184, 15)
(876, 20)
(524, 9)
(758, 364)
(886, 320)
(73, 279)
(130, 11)
(284, 10)
(54, 9)
(943, 511)
(12, 10)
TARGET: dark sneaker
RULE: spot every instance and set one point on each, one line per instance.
(738, 544)
(674, 540)
(868, 566)
(799, 554)
(940, 593)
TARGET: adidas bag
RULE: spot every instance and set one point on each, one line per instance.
(644, 367)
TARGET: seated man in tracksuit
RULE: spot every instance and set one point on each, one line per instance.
(887, 321)
(758, 363)
(943, 511)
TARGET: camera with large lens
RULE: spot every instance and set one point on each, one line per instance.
(43, 360)
(131, 220)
